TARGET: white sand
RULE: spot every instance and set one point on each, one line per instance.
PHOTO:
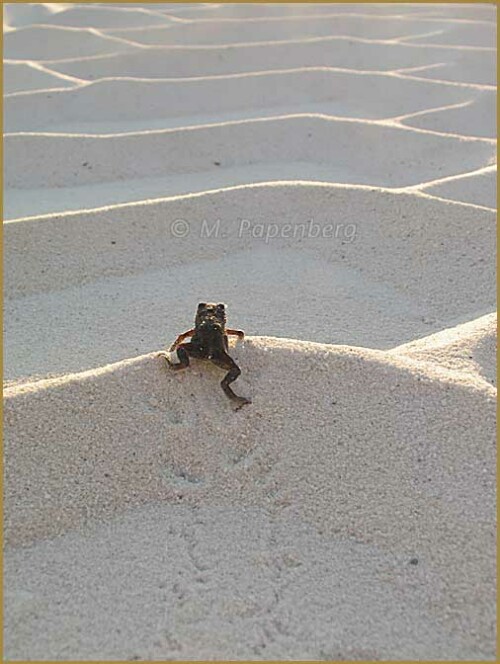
(478, 187)
(349, 512)
(24, 76)
(469, 347)
(334, 515)
(476, 117)
(336, 92)
(284, 28)
(82, 170)
(471, 67)
(47, 42)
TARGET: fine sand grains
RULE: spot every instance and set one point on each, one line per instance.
(389, 469)
(329, 172)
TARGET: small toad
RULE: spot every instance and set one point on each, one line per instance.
(209, 341)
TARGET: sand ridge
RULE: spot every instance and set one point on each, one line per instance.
(283, 28)
(468, 347)
(265, 465)
(213, 156)
(313, 87)
(234, 143)
(329, 172)
(474, 115)
(48, 42)
(476, 187)
(141, 383)
(86, 251)
(469, 67)
(24, 76)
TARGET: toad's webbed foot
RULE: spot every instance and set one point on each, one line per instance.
(240, 401)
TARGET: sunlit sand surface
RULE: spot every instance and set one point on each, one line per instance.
(329, 172)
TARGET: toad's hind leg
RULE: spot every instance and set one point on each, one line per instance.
(224, 361)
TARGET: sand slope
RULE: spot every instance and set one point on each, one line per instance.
(277, 29)
(46, 42)
(474, 67)
(467, 348)
(151, 421)
(21, 77)
(329, 172)
(21, 14)
(478, 187)
(476, 13)
(479, 34)
(80, 160)
(107, 17)
(339, 93)
(111, 263)
(91, 269)
(72, 170)
(477, 116)
(59, 254)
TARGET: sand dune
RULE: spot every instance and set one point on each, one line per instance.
(107, 270)
(476, 117)
(44, 42)
(467, 348)
(477, 188)
(283, 28)
(383, 222)
(24, 76)
(56, 161)
(471, 67)
(180, 8)
(479, 35)
(16, 15)
(87, 325)
(146, 390)
(249, 10)
(80, 16)
(107, 17)
(482, 12)
(139, 101)
(255, 579)
(451, 12)
(329, 172)
(267, 466)
(94, 317)
(456, 65)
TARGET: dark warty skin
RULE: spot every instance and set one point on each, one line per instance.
(209, 341)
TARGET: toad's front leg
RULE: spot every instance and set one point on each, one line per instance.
(178, 358)
(237, 333)
(180, 339)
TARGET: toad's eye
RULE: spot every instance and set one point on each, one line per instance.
(221, 307)
(202, 305)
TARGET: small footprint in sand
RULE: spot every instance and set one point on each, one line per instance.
(171, 413)
(178, 475)
(243, 457)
